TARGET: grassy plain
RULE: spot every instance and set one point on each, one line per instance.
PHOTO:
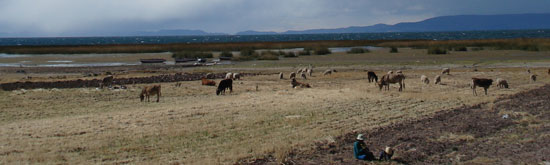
(192, 125)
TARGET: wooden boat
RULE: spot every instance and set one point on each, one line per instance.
(152, 60)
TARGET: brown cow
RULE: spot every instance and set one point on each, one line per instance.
(208, 82)
(150, 90)
(295, 83)
(481, 82)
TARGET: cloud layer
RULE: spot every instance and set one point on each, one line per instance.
(105, 17)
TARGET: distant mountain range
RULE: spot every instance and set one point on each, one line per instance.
(176, 32)
(443, 23)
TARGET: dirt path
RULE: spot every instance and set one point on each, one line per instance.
(511, 130)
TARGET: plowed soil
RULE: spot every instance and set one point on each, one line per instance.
(512, 129)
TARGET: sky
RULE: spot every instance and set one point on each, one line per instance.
(52, 18)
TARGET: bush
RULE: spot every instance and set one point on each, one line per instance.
(358, 51)
(461, 49)
(393, 49)
(322, 51)
(477, 49)
(190, 54)
(226, 54)
(304, 53)
(268, 56)
(290, 54)
(269, 52)
(248, 52)
(436, 50)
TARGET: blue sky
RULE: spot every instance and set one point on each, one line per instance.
(104, 17)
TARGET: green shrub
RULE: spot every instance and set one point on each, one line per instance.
(290, 54)
(358, 50)
(322, 51)
(268, 56)
(461, 49)
(436, 50)
(191, 54)
(304, 53)
(393, 49)
(477, 48)
(226, 54)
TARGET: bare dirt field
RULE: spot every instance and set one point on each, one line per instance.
(265, 120)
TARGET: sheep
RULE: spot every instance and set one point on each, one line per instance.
(533, 77)
(148, 91)
(437, 79)
(303, 75)
(281, 75)
(502, 83)
(310, 72)
(390, 72)
(209, 75)
(292, 75)
(372, 76)
(424, 79)
(295, 84)
(481, 82)
(224, 84)
(388, 79)
(446, 71)
(327, 72)
(399, 71)
(208, 82)
(236, 76)
(229, 76)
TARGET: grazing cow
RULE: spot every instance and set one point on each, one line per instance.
(481, 82)
(533, 77)
(502, 83)
(224, 84)
(372, 76)
(292, 75)
(446, 71)
(388, 79)
(208, 82)
(150, 90)
(281, 75)
(327, 72)
(295, 83)
(437, 79)
(229, 76)
(424, 79)
(236, 76)
(107, 81)
(303, 75)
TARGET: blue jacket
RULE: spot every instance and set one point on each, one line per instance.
(360, 149)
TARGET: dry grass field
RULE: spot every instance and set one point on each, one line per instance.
(263, 115)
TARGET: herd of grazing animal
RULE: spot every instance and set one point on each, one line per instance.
(384, 82)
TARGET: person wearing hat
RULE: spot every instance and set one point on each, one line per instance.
(386, 154)
(360, 149)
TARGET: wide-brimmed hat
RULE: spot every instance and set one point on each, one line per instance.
(389, 150)
(360, 137)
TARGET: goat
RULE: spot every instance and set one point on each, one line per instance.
(533, 77)
(150, 90)
(481, 82)
(224, 84)
(502, 83)
(437, 79)
(107, 81)
(425, 79)
(292, 75)
(295, 83)
(446, 71)
(372, 76)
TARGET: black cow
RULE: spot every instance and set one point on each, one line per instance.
(224, 84)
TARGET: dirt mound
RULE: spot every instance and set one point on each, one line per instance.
(510, 130)
(118, 81)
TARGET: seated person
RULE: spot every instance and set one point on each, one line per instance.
(360, 149)
(386, 154)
